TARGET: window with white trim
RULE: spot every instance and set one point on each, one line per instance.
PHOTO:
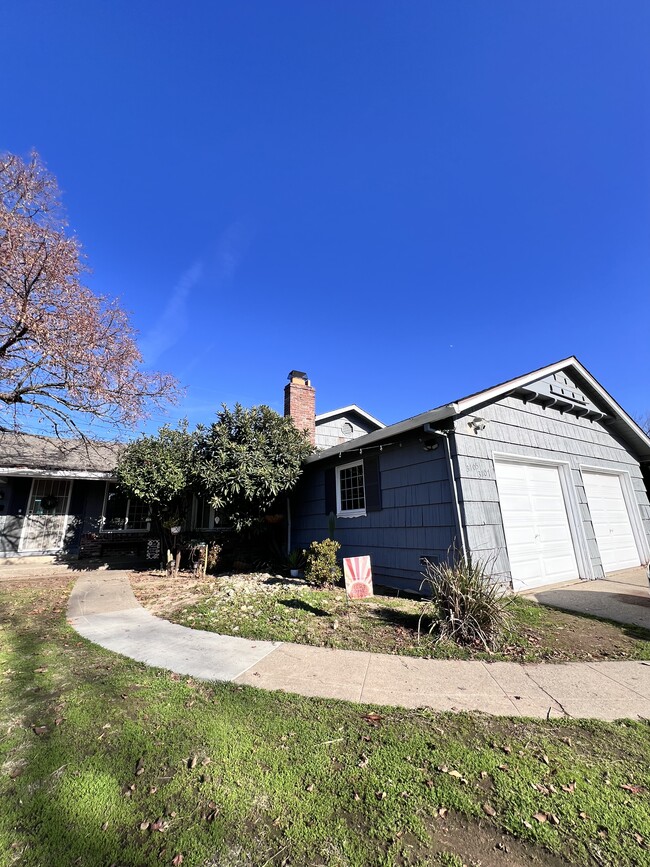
(350, 490)
(123, 514)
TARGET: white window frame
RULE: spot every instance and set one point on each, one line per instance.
(631, 504)
(349, 513)
(571, 504)
(108, 530)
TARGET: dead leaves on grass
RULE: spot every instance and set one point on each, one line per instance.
(546, 817)
(633, 790)
(443, 769)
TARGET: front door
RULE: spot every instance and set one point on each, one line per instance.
(46, 516)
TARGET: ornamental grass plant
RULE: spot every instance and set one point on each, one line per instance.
(466, 605)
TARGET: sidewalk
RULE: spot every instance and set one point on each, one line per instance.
(103, 609)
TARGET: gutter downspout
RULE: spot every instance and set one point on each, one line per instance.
(454, 489)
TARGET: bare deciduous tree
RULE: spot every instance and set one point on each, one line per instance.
(66, 354)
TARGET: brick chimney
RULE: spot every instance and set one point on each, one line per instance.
(300, 403)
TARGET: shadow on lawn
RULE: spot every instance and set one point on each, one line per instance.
(601, 602)
(400, 619)
(298, 604)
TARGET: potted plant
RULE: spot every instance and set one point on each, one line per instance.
(296, 562)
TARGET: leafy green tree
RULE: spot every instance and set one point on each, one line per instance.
(246, 460)
(158, 470)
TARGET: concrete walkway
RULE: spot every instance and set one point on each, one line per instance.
(622, 596)
(103, 609)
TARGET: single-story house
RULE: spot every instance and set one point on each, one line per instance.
(57, 494)
(59, 497)
(543, 476)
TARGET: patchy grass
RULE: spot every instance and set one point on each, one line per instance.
(261, 606)
(104, 761)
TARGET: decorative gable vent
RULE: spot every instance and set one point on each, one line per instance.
(559, 391)
(563, 387)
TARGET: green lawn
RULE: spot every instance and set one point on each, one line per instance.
(261, 607)
(107, 762)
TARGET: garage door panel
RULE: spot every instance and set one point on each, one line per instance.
(555, 535)
(538, 537)
(611, 521)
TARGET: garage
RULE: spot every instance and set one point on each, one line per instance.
(611, 521)
(536, 525)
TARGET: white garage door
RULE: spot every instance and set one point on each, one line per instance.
(611, 521)
(538, 538)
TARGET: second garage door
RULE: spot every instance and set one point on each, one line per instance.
(611, 521)
(536, 526)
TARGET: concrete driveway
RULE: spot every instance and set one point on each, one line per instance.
(622, 596)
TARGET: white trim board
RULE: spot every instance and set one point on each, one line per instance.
(57, 474)
(351, 408)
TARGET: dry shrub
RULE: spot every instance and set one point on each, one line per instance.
(466, 606)
(214, 562)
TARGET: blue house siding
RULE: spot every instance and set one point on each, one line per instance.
(558, 416)
(331, 431)
(416, 518)
(527, 429)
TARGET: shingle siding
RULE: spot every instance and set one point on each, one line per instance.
(417, 515)
(529, 429)
(416, 518)
(330, 432)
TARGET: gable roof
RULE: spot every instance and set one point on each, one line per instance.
(349, 409)
(29, 454)
(617, 419)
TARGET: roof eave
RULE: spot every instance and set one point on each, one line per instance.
(40, 472)
(351, 408)
(387, 433)
(621, 422)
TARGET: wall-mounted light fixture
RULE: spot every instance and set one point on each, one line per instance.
(476, 424)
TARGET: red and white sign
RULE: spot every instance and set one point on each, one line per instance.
(358, 577)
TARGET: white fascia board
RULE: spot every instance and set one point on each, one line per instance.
(55, 474)
(352, 408)
(433, 415)
(498, 391)
(617, 409)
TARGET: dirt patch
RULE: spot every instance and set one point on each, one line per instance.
(479, 843)
(163, 595)
(37, 582)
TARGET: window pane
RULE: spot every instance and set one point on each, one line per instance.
(138, 515)
(351, 488)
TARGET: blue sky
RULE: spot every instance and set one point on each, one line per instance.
(410, 201)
